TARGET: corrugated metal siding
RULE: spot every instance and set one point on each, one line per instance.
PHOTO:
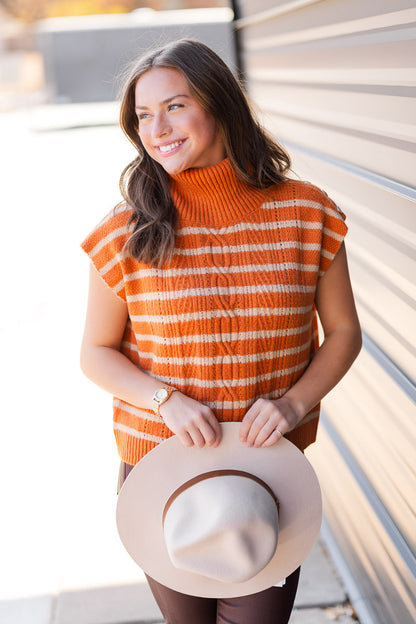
(335, 81)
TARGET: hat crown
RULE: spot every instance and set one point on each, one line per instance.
(222, 527)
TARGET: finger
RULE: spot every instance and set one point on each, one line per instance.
(196, 435)
(215, 428)
(205, 425)
(265, 432)
(185, 438)
(247, 421)
(255, 429)
(273, 438)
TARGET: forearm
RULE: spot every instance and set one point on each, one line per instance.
(266, 421)
(103, 363)
(115, 373)
(192, 421)
(329, 364)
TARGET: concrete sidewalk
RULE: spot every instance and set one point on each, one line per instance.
(321, 599)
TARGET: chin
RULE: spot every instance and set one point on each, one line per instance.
(173, 169)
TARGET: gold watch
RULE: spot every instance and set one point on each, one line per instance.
(161, 396)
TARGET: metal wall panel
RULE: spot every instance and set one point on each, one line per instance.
(335, 81)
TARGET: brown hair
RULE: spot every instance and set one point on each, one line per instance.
(255, 157)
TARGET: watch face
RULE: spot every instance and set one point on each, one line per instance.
(161, 394)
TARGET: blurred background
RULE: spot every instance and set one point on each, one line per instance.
(335, 81)
(71, 50)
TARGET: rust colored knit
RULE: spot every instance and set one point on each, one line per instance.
(232, 317)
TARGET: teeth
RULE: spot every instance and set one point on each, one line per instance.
(171, 146)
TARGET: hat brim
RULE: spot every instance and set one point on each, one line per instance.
(164, 469)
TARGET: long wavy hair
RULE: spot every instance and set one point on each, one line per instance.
(255, 157)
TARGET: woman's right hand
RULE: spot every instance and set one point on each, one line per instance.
(194, 423)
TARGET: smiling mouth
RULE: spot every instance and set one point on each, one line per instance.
(170, 147)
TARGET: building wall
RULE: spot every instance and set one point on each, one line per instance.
(85, 57)
(335, 81)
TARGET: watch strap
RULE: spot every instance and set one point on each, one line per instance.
(161, 396)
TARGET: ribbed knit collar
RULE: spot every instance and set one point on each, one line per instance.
(213, 195)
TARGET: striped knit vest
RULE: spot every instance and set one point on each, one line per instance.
(232, 317)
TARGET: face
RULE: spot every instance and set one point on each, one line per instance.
(173, 127)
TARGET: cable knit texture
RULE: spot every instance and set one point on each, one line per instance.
(231, 318)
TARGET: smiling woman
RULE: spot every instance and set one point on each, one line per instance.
(213, 92)
(205, 287)
(176, 131)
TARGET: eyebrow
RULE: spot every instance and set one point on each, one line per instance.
(164, 101)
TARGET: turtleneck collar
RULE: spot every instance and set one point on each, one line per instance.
(213, 195)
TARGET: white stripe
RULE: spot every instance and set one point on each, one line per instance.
(223, 405)
(137, 434)
(251, 227)
(327, 254)
(250, 358)
(134, 411)
(218, 405)
(238, 336)
(117, 210)
(308, 203)
(112, 263)
(239, 382)
(119, 286)
(332, 234)
(225, 270)
(212, 314)
(210, 292)
(225, 249)
(331, 210)
(107, 239)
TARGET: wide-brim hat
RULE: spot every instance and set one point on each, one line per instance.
(165, 483)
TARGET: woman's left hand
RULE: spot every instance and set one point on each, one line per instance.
(267, 421)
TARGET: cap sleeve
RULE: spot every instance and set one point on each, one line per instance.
(105, 247)
(333, 232)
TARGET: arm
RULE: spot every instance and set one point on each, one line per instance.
(266, 421)
(105, 365)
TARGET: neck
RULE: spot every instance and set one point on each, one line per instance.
(213, 195)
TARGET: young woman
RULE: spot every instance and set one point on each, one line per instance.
(205, 287)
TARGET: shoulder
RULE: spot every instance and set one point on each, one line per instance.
(298, 190)
(118, 217)
(105, 247)
(305, 195)
(116, 225)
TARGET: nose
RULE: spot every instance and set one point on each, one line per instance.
(160, 126)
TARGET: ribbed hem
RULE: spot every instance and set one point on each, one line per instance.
(132, 449)
(214, 195)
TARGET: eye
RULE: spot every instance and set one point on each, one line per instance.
(141, 116)
(173, 107)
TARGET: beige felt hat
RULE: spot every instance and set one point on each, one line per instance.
(220, 522)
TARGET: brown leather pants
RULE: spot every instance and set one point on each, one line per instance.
(271, 606)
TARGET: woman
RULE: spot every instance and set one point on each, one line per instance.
(205, 287)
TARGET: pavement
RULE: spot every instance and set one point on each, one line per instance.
(61, 560)
(321, 599)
